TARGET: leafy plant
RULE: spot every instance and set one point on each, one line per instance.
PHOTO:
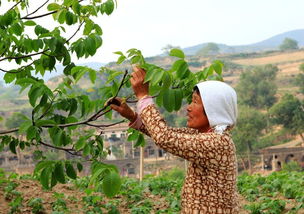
(37, 205)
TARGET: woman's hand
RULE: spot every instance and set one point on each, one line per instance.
(123, 109)
(140, 88)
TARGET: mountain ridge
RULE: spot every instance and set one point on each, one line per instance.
(271, 43)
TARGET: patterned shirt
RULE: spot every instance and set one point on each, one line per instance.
(210, 184)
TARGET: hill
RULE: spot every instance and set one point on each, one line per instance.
(268, 44)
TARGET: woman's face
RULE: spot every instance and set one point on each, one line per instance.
(197, 117)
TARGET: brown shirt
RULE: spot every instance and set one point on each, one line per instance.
(210, 184)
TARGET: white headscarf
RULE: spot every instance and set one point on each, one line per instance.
(220, 104)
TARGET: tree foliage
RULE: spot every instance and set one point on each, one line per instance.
(58, 116)
(257, 87)
(289, 44)
(250, 125)
(289, 112)
(300, 78)
(209, 49)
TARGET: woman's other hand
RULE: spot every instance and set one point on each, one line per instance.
(140, 88)
(123, 109)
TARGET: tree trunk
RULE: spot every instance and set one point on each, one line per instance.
(249, 157)
(302, 136)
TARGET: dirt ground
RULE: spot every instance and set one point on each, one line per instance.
(32, 189)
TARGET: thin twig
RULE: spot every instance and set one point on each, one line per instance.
(103, 125)
(24, 56)
(43, 15)
(40, 16)
(19, 69)
(68, 150)
(49, 107)
(97, 115)
(75, 32)
(35, 11)
(8, 131)
(16, 5)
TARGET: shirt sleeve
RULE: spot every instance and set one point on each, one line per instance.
(201, 148)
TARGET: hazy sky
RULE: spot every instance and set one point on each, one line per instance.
(151, 24)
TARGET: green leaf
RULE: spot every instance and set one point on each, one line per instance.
(69, 18)
(9, 77)
(167, 80)
(73, 106)
(59, 172)
(177, 53)
(12, 146)
(86, 150)
(157, 76)
(32, 133)
(53, 6)
(92, 75)
(61, 17)
(53, 179)
(181, 68)
(79, 167)
(45, 177)
(111, 184)
(80, 144)
(44, 122)
(218, 66)
(42, 164)
(178, 95)
(70, 170)
(169, 100)
(88, 27)
(121, 59)
(90, 45)
(109, 6)
(133, 136)
(29, 23)
(140, 141)
(17, 29)
(98, 29)
(24, 126)
(34, 94)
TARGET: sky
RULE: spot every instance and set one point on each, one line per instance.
(149, 25)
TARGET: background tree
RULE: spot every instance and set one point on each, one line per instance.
(300, 78)
(166, 50)
(57, 116)
(257, 87)
(289, 44)
(289, 112)
(209, 49)
(250, 124)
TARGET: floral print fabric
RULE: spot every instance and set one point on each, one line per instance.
(210, 184)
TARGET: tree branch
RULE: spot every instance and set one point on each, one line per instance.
(68, 150)
(78, 29)
(103, 126)
(35, 11)
(16, 5)
(8, 131)
(18, 70)
(97, 115)
(24, 56)
(43, 15)
(40, 16)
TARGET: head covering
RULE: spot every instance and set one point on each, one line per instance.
(220, 104)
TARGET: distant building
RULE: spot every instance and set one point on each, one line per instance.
(274, 157)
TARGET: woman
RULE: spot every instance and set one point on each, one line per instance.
(210, 184)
